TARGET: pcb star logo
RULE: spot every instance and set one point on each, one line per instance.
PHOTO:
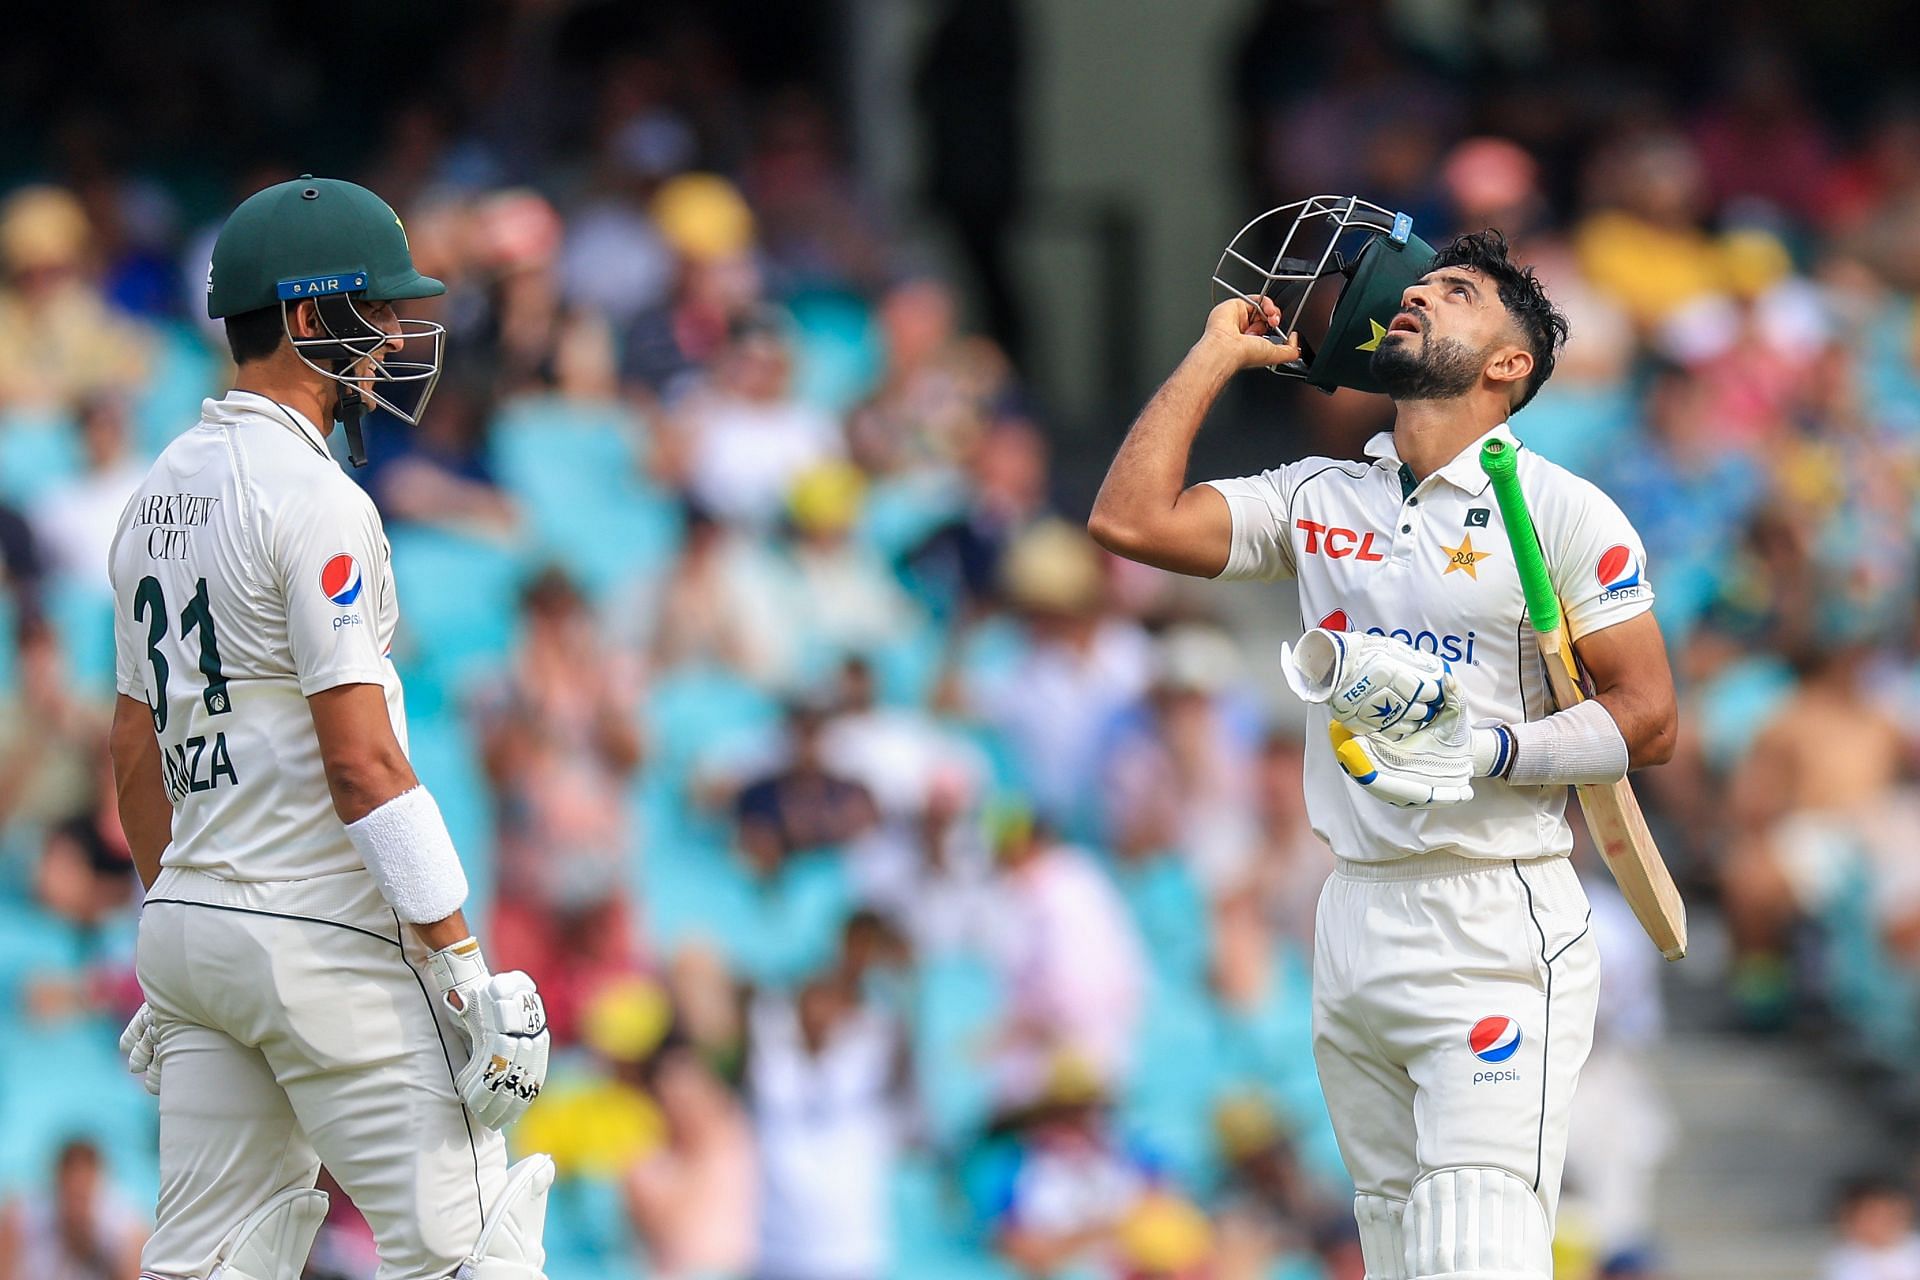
(1464, 557)
(1373, 343)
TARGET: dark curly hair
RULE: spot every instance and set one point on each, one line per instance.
(1521, 293)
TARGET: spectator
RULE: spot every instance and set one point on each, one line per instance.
(23, 568)
(823, 594)
(60, 341)
(76, 1230)
(1290, 862)
(824, 1075)
(803, 805)
(1179, 775)
(438, 473)
(1164, 1236)
(1077, 668)
(1269, 1211)
(615, 260)
(936, 391)
(717, 284)
(1877, 1240)
(694, 1200)
(53, 761)
(959, 563)
(1792, 801)
(1069, 959)
(74, 523)
(86, 868)
(744, 438)
(1644, 246)
(559, 741)
(1073, 1183)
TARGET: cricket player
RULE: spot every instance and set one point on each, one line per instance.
(1454, 975)
(314, 994)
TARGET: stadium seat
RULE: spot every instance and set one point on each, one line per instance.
(957, 1000)
(37, 453)
(459, 603)
(578, 471)
(445, 755)
(183, 371)
(82, 616)
(838, 355)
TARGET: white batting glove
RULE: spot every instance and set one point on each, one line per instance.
(506, 1025)
(1430, 768)
(138, 1042)
(1374, 685)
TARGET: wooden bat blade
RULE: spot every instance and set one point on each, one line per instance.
(1618, 828)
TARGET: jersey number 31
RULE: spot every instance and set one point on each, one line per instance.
(150, 606)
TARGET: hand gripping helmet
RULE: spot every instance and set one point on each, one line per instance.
(1285, 254)
(337, 244)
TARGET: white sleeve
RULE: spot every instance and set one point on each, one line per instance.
(328, 554)
(129, 651)
(1262, 545)
(1596, 561)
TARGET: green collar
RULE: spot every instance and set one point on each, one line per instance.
(1407, 483)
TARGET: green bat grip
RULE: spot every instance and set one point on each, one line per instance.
(1501, 462)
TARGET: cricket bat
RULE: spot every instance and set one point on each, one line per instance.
(1613, 814)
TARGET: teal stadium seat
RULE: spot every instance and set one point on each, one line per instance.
(38, 451)
(82, 616)
(838, 356)
(183, 371)
(957, 1003)
(459, 603)
(578, 470)
(587, 1233)
(445, 753)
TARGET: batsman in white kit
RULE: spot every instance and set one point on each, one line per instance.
(313, 993)
(1455, 979)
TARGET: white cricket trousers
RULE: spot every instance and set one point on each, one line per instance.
(1453, 1007)
(296, 1025)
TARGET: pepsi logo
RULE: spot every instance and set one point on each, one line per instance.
(340, 580)
(1494, 1039)
(1335, 621)
(1618, 569)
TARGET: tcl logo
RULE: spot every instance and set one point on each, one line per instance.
(1338, 543)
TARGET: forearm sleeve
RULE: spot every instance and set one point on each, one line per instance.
(1579, 745)
(406, 845)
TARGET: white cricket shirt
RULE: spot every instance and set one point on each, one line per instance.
(248, 573)
(1433, 568)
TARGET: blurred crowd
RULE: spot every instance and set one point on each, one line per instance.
(915, 889)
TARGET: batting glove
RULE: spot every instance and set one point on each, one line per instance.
(138, 1042)
(1374, 685)
(506, 1025)
(1427, 769)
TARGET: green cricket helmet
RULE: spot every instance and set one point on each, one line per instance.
(1287, 254)
(337, 245)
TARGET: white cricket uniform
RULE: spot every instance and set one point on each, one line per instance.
(1454, 977)
(294, 1022)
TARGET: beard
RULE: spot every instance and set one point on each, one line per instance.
(1443, 370)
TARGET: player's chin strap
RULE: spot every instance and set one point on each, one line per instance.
(509, 1247)
(273, 1241)
(349, 413)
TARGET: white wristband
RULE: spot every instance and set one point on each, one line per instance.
(406, 846)
(1579, 745)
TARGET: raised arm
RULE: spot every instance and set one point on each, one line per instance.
(1145, 510)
